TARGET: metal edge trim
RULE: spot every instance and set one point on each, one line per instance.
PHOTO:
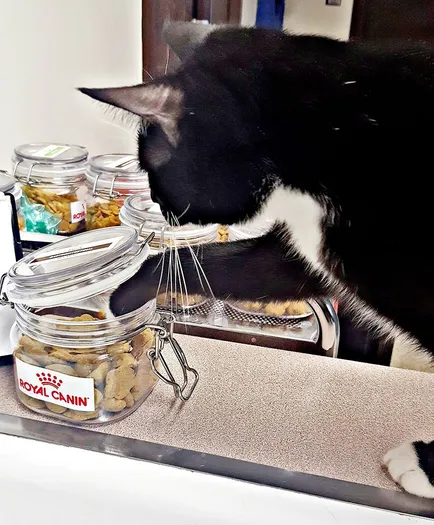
(217, 465)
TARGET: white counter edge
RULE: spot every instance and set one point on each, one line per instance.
(46, 484)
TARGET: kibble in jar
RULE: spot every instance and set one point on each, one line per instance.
(84, 385)
(53, 181)
(111, 178)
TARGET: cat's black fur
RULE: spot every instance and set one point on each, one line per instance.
(347, 123)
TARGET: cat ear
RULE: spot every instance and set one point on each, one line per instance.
(158, 103)
(183, 37)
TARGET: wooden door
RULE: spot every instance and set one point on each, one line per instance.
(381, 19)
(157, 58)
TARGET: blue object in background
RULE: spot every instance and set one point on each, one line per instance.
(270, 13)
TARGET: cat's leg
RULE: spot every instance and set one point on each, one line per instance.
(255, 269)
(411, 465)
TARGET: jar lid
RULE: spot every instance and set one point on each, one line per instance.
(144, 215)
(41, 162)
(139, 209)
(77, 268)
(115, 175)
(6, 181)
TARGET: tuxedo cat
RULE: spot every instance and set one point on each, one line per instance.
(329, 139)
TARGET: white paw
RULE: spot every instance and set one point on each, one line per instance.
(403, 466)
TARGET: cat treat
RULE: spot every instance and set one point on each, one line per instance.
(117, 379)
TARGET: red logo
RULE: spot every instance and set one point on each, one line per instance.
(80, 215)
(50, 380)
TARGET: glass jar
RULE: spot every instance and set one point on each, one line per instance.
(53, 181)
(9, 186)
(110, 179)
(146, 220)
(73, 359)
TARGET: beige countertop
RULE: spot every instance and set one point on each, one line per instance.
(303, 413)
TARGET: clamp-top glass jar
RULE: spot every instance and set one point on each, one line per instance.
(53, 181)
(110, 179)
(73, 359)
(146, 218)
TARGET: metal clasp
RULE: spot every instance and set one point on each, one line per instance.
(109, 194)
(4, 300)
(29, 181)
(141, 244)
(163, 335)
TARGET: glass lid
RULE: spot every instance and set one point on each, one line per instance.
(51, 153)
(41, 162)
(140, 213)
(114, 162)
(77, 267)
(118, 171)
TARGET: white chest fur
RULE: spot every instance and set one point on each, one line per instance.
(302, 215)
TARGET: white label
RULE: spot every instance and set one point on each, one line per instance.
(76, 393)
(124, 162)
(78, 211)
(76, 251)
(51, 151)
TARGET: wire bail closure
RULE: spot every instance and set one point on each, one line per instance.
(4, 300)
(163, 336)
(109, 194)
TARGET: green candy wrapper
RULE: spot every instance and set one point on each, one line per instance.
(38, 218)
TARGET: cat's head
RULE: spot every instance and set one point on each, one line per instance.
(202, 139)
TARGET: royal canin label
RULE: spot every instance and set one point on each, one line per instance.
(78, 211)
(67, 391)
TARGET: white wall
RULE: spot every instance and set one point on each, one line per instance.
(47, 47)
(314, 17)
(248, 12)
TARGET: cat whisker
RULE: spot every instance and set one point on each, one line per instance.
(178, 266)
(161, 272)
(182, 214)
(198, 267)
(169, 282)
(167, 61)
(192, 255)
(149, 74)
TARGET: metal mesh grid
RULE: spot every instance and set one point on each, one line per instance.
(261, 319)
(220, 314)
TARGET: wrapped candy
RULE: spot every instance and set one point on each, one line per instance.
(38, 218)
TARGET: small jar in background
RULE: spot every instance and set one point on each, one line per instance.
(53, 182)
(111, 179)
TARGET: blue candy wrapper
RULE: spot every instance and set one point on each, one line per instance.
(38, 218)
